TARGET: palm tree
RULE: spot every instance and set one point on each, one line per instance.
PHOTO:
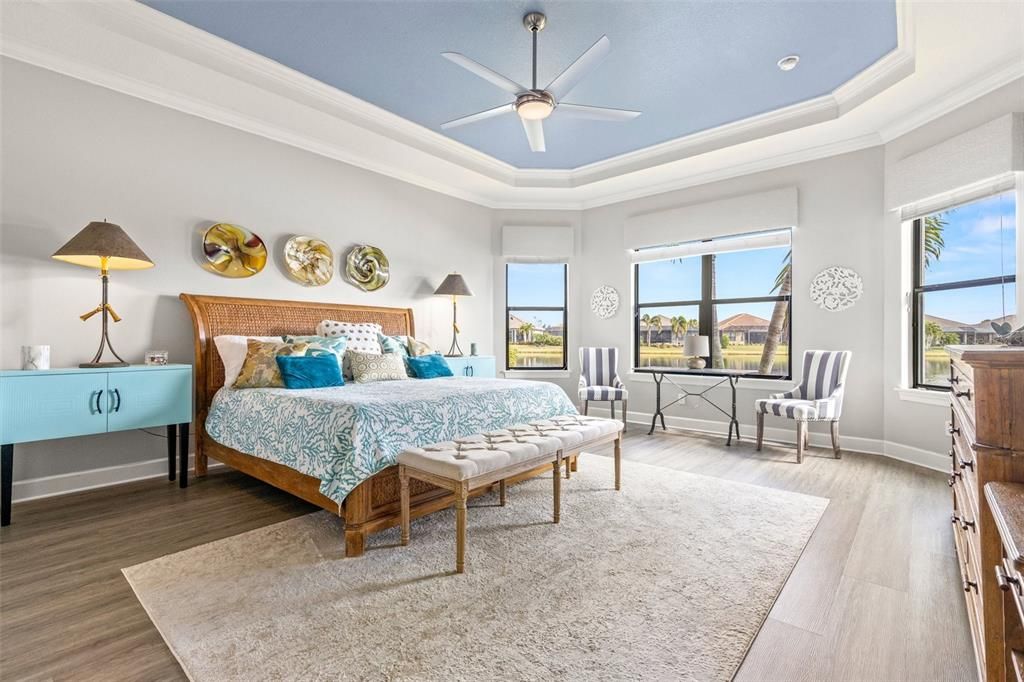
(660, 319)
(933, 239)
(679, 326)
(783, 285)
(527, 330)
(717, 361)
(645, 319)
(933, 333)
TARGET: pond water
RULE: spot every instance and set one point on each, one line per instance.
(745, 363)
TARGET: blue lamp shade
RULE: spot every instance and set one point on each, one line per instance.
(310, 371)
(430, 367)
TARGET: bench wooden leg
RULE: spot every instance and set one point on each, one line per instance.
(557, 478)
(568, 467)
(403, 482)
(618, 463)
(460, 528)
(501, 492)
(760, 429)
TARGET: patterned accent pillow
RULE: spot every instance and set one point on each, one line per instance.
(368, 367)
(394, 344)
(260, 368)
(418, 348)
(232, 350)
(362, 336)
(321, 345)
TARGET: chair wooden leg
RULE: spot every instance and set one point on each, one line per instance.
(403, 483)
(460, 528)
(501, 492)
(586, 407)
(624, 415)
(801, 440)
(835, 440)
(612, 403)
(557, 478)
(760, 429)
(618, 463)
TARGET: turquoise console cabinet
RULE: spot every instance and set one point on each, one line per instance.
(473, 366)
(59, 403)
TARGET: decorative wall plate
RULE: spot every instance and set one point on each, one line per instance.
(604, 302)
(367, 267)
(836, 288)
(233, 251)
(309, 261)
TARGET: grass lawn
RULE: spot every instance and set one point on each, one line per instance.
(524, 350)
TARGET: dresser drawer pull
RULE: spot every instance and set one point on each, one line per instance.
(1005, 581)
(952, 479)
(956, 519)
(950, 453)
(954, 380)
(970, 585)
(950, 429)
(963, 394)
(965, 464)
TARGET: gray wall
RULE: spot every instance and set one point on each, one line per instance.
(74, 152)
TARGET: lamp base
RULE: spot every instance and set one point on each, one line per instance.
(112, 363)
(696, 362)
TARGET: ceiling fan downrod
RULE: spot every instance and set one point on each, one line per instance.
(535, 23)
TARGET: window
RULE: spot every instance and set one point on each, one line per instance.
(535, 319)
(734, 290)
(964, 281)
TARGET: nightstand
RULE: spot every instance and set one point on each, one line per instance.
(60, 403)
(473, 366)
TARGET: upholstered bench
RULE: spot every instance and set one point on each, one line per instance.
(470, 463)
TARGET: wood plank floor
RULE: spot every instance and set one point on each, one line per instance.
(875, 595)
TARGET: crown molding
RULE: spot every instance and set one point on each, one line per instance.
(130, 48)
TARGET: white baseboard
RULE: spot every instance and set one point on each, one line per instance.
(870, 446)
(62, 484)
(77, 481)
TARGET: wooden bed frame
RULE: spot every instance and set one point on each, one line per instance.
(374, 504)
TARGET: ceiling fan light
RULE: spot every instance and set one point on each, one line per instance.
(534, 110)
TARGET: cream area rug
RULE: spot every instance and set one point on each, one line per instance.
(670, 578)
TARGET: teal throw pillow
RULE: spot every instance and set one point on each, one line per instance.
(315, 371)
(430, 367)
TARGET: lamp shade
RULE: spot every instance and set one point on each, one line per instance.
(453, 285)
(696, 346)
(103, 240)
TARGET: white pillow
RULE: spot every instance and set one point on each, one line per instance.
(232, 350)
(362, 336)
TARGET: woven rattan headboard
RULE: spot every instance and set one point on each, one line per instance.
(216, 315)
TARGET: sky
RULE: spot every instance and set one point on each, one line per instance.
(980, 241)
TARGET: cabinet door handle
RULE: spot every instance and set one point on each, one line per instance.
(99, 408)
(470, 370)
(115, 405)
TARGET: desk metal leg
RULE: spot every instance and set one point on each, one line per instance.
(733, 422)
(183, 455)
(7, 474)
(657, 404)
(172, 452)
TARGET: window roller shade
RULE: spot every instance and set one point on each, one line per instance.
(536, 243)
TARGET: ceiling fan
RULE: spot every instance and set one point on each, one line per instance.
(533, 105)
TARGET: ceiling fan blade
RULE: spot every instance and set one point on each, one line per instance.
(597, 113)
(480, 116)
(535, 134)
(506, 84)
(568, 79)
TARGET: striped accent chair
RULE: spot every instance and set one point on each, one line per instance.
(818, 398)
(599, 379)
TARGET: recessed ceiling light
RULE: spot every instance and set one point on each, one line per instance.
(789, 63)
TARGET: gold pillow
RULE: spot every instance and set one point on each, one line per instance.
(418, 348)
(260, 367)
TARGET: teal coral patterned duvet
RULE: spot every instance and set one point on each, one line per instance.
(346, 434)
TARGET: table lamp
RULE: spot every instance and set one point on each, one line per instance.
(454, 286)
(104, 246)
(695, 348)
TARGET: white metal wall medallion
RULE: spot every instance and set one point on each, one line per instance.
(604, 302)
(836, 288)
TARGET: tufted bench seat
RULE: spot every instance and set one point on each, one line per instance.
(469, 463)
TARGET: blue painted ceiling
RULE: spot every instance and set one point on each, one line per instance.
(689, 66)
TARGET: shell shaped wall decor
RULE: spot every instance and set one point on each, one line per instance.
(233, 251)
(367, 267)
(836, 288)
(309, 261)
(604, 302)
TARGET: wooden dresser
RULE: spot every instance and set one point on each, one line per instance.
(987, 435)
